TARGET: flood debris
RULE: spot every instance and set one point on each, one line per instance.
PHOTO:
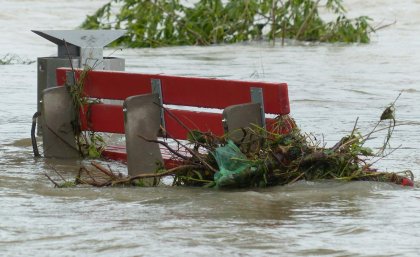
(263, 158)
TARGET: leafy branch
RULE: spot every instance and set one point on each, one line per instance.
(164, 23)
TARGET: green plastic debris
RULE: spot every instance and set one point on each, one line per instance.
(235, 170)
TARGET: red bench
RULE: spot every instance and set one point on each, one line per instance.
(172, 91)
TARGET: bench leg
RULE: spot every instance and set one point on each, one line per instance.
(57, 114)
(142, 117)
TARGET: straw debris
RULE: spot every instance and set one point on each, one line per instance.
(260, 158)
(263, 158)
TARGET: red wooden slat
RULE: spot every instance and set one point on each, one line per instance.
(202, 121)
(116, 153)
(61, 76)
(199, 92)
(111, 84)
(103, 118)
(110, 118)
(217, 93)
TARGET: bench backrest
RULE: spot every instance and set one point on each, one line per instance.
(176, 91)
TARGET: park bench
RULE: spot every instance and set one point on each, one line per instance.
(204, 104)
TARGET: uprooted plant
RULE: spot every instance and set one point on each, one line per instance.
(263, 158)
(163, 23)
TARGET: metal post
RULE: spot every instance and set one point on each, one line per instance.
(157, 89)
(75, 48)
(258, 97)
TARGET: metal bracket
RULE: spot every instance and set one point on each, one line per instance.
(258, 97)
(157, 89)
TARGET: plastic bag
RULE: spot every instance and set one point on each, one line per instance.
(235, 170)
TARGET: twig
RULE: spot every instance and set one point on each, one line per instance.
(58, 173)
(112, 182)
(350, 140)
(89, 174)
(79, 179)
(305, 22)
(194, 154)
(283, 32)
(162, 174)
(59, 137)
(165, 145)
(70, 60)
(354, 127)
(104, 170)
(385, 26)
(273, 24)
(93, 181)
(52, 181)
(393, 103)
(174, 117)
(111, 54)
(385, 155)
(180, 123)
(297, 178)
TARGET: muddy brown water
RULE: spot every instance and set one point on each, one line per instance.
(330, 85)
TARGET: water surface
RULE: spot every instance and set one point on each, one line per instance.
(329, 86)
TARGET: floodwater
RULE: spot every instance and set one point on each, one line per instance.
(329, 86)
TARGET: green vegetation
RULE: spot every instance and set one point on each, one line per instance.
(164, 23)
(10, 59)
(90, 143)
(263, 158)
(268, 158)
